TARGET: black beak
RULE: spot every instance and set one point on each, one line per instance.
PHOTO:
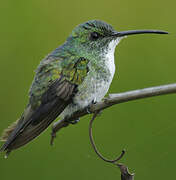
(132, 32)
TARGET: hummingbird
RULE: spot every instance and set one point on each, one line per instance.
(72, 77)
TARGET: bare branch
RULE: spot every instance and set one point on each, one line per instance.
(112, 100)
(115, 99)
(125, 174)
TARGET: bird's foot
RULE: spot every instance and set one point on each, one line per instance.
(74, 121)
(88, 107)
(94, 101)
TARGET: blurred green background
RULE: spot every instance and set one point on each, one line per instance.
(29, 30)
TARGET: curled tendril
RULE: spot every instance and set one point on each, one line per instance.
(113, 161)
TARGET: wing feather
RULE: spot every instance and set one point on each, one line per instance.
(47, 100)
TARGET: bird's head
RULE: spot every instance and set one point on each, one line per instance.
(96, 37)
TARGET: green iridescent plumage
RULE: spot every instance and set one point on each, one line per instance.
(74, 70)
(70, 78)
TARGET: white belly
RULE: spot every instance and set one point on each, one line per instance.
(93, 91)
(95, 88)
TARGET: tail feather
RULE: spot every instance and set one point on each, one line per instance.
(35, 121)
(32, 131)
(25, 130)
(8, 131)
(15, 129)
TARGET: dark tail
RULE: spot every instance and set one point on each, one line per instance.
(31, 124)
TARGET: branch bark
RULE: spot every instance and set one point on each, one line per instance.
(108, 102)
(112, 100)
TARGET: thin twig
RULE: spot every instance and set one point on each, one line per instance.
(94, 146)
(115, 99)
(125, 174)
(112, 100)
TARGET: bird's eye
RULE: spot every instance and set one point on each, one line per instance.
(94, 36)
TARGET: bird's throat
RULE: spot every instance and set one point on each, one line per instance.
(109, 55)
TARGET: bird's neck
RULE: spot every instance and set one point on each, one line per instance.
(107, 57)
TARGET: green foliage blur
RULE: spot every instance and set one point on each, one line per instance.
(29, 30)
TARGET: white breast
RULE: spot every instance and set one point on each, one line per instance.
(94, 88)
(110, 56)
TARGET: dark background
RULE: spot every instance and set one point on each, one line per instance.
(29, 30)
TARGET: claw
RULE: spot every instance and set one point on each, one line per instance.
(74, 121)
(94, 101)
(88, 110)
